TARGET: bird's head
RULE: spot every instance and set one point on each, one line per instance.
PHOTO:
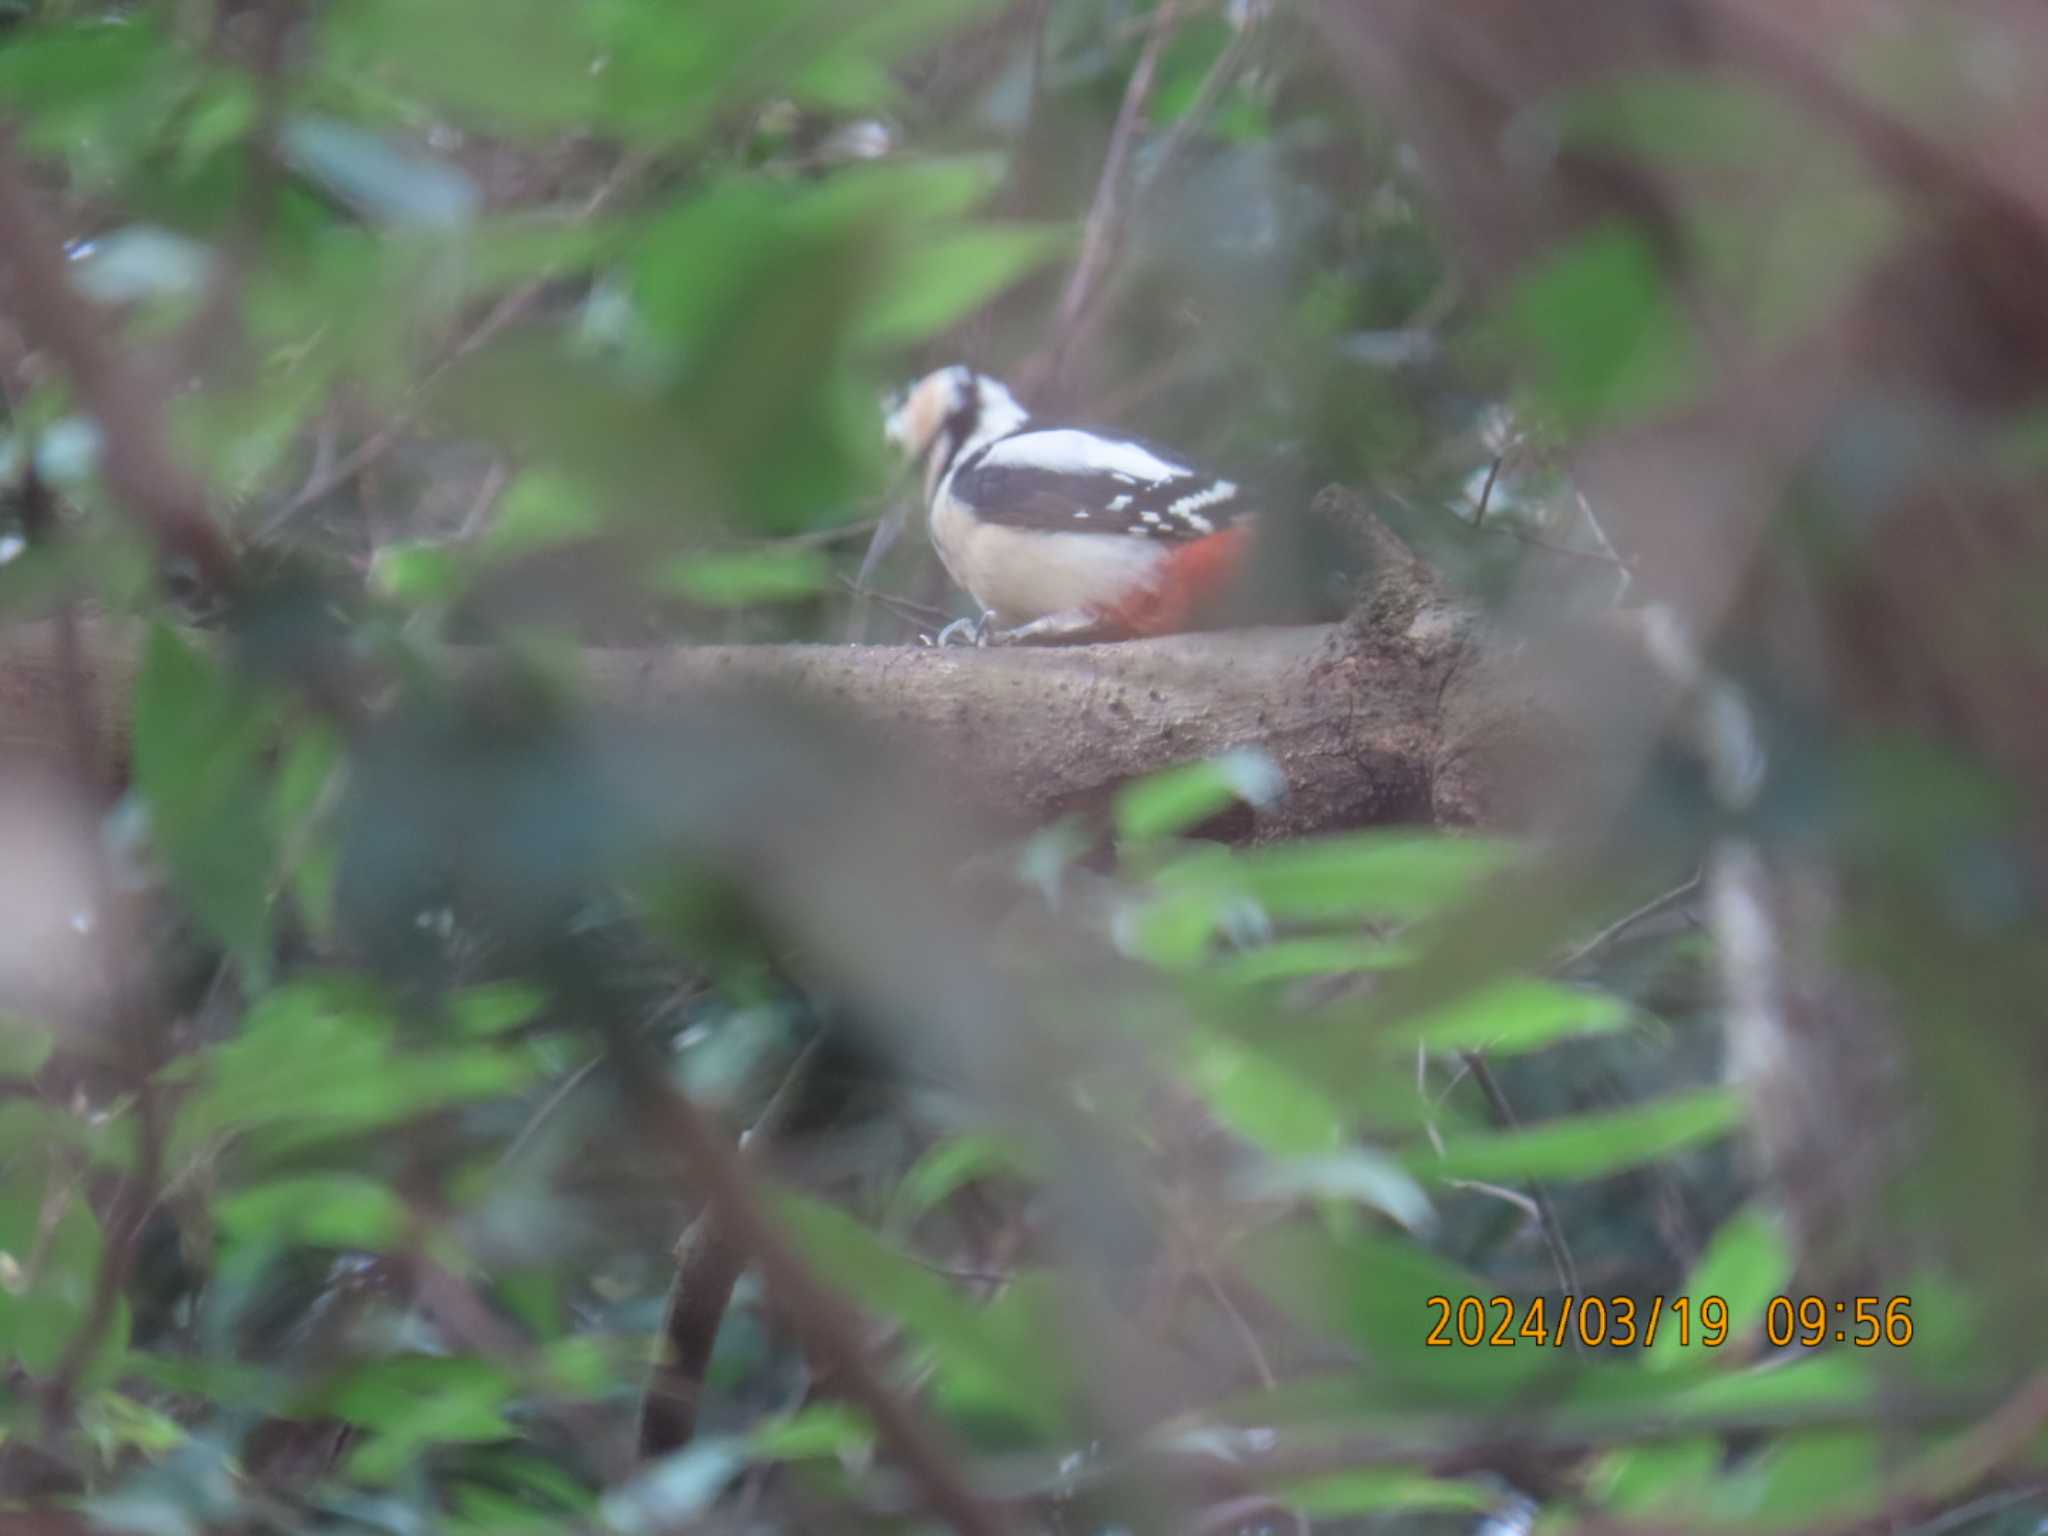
(947, 410)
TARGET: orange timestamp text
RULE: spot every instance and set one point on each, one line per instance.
(1862, 1321)
(1622, 1322)
(1597, 1322)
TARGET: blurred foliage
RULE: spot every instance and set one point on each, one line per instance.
(566, 323)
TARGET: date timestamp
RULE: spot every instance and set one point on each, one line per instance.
(1596, 1322)
(1623, 1322)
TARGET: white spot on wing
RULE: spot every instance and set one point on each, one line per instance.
(1189, 507)
(1116, 504)
(1208, 496)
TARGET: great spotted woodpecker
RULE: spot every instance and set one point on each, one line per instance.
(1062, 533)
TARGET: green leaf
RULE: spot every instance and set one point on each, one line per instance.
(1185, 65)
(1169, 802)
(1278, 1111)
(1834, 1386)
(96, 91)
(24, 1046)
(1292, 959)
(494, 1008)
(743, 578)
(946, 277)
(698, 257)
(417, 572)
(29, 1125)
(823, 1429)
(1357, 1175)
(589, 1365)
(508, 65)
(1387, 874)
(224, 116)
(540, 509)
(200, 740)
(1600, 318)
(221, 1380)
(517, 1491)
(847, 72)
(414, 1403)
(916, 192)
(1684, 120)
(333, 1210)
(1747, 1262)
(988, 1358)
(318, 1060)
(1374, 1292)
(1645, 1479)
(1586, 1146)
(1805, 1477)
(1523, 1014)
(1782, 1392)
(114, 1423)
(312, 765)
(1175, 928)
(950, 1166)
(1382, 1490)
(50, 1251)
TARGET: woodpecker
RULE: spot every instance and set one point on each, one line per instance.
(1063, 533)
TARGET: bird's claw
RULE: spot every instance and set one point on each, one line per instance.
(964, 632)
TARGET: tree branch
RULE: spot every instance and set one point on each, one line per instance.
(140, 466)
(1395, 716)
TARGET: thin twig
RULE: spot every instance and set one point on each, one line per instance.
(81, 743)
(902, 607)
(1537, 541)
(326, 434)
(1214, 83)
(996, 1279)
(210, 332)
(507, 310)
(1628, 575)
(1620, 926)
(829, 1329)
(1546, 1213)
(1486, 490)
(1207, 94)
(821, 538)
(1977, 1509)
(132, 1207)
(708, 1267)
(1101, 234)
(130, 407)
(473, 1324)
(1247, 1335)
(485, 499)
(546, 1111)
(887, 530)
